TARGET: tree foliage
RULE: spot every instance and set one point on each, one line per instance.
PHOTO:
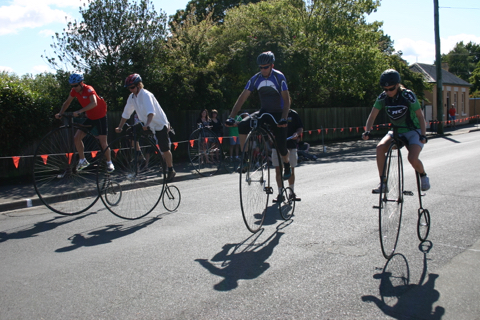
(462, 59)
(115, 38)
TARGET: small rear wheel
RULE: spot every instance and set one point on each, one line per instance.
(171, 198)
(423, 224)
(113, 193)
(287, 206)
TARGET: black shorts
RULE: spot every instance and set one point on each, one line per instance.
(280, 133)
(98, 127)
(162, 138)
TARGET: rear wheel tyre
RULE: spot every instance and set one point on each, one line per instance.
(171, 198)
(113, 193)
(255, 179)
(205, 152)
(139, 174)
(391, 202)
(423, 224)
(287, 206)
(58, 183)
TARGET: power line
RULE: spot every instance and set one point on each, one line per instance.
(459, 8)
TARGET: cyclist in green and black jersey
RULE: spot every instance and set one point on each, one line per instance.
(403, 109)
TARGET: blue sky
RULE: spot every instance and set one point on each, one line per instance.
(26, 27)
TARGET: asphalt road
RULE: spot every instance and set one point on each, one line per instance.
(201, 262)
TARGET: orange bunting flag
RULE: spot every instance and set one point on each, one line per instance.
(116, 151)
(158, 147)
(191, 143)
(16, 160)
(69, 156)
(309, 132)
(319, 131)
(235, 139)
(358, 129)
(326, 131)
(220, 139)
(175, 144)
(341, 130)
(44, 158)
(334, 129)
(94, 154)
(351, 129)
(206, 140)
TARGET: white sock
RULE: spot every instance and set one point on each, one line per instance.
(291, 187)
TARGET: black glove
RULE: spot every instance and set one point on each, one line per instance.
(283, 121)
(230, 122)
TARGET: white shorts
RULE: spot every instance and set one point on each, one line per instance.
(292, 158)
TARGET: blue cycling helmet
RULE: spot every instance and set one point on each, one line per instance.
(389, 78)
(75, 78)
(265, 58)
(132, 79)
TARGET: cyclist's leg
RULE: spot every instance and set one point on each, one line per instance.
(79, 135)
(382, 148)
(102, 129)
(278, 172)
(163, 143)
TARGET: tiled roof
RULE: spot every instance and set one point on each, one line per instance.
(429, 72)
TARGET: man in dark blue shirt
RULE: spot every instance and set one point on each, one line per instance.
(274, 98)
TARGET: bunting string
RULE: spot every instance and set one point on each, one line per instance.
(16, 159)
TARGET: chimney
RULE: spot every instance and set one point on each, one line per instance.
(445, 66)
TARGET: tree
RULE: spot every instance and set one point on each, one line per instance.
(462, 59)
(475, 81)
(114, 39)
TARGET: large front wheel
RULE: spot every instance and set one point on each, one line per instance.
(391, 201)
(58, 183)
(255, 179)
(135, 187)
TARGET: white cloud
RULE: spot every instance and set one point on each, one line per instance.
(40, 69)
(6, 69)
(47, 33)
(424, 52)
(33, 14)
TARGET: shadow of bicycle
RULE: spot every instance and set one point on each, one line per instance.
(401, 300)
(243, 261)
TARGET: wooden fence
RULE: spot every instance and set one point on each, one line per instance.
(324, 124)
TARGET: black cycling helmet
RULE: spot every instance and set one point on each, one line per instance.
(389, 78)
(132, 79)
(265, 58)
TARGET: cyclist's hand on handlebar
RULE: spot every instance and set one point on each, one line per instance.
(282, 123)
(423, 139)
(230, 122)
(366, 135)
(76, 113)
(146, 128)
(58, 116)
(118, 129)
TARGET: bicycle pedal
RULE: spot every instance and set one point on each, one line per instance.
(408, 193)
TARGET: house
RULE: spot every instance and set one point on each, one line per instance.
(456, 91)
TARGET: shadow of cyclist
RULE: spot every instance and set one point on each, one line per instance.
(104, 235)
(402, 300)
(39, 227)
(246, 260)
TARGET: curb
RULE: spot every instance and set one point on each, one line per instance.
(29, 203)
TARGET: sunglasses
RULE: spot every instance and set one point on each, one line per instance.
(75, 85)
(132, 87)
(390, 89)
(266, 67)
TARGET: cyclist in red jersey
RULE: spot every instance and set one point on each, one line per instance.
(95, 109)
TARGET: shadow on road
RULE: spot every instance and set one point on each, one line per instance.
(402, 300)
(105, 235)
(245, 260)
(39, 227)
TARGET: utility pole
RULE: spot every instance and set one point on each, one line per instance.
(438, 59)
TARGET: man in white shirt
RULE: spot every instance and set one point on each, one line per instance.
(151, 114)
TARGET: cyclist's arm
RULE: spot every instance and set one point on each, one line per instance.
(421, 119)
(149, 120)
(371, 119)
(240, 101)
(90, 106)
(286, 103)
(65, 106)
(120, 125)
